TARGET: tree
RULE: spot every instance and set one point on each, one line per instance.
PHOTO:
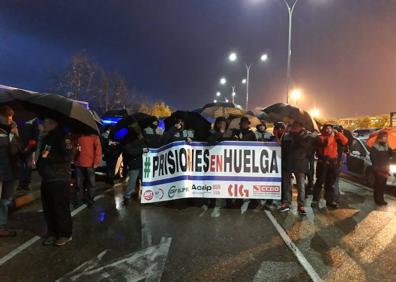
(363, 122)
(160, 110)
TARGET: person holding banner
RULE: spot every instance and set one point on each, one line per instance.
(244, 133)
(262, 134)
(132, 152)
(295, 149)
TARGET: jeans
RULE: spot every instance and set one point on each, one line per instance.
(85, 177)
(134, 174)
(55, 197)
(326, 174)
(287, 188)
(7, 190)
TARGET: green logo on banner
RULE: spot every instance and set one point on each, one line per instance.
(147, 167)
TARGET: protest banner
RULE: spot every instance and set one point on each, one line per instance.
(231, 169)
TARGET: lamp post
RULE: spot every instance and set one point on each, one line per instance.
(290, 9)
(233, 57)
(233, 94)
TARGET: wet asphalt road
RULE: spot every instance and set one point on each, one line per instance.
(183, 243)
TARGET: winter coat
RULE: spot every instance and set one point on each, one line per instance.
(89, 151)
(57, 165)
(264, 136)
(296, 148)
(152, 138)
(328, 146)
(173, 134)
(10, 152)
(247, 135)
(380, 157)
(132, 153)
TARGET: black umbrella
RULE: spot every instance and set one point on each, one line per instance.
(137, 122)
(288, 114)
(192, 120)
(67, 112)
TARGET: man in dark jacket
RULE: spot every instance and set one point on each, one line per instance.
(295, 148)
(132, 151)
(217, 134)
(380, 155)
(53, 165)
(244, 133)
(178, 133)
(10, 149)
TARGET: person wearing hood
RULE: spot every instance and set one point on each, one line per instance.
(54, 166)
(179, 132)
(10, 150)
(262, 134)
(380, 155)
(218, 132)
(295, 147)
(153, 135)
(278, 131)
(327, 145)
(244, 133)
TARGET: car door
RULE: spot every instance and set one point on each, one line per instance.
(356, 157)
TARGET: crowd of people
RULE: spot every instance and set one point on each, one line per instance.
(306, 157)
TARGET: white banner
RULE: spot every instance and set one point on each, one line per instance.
(231, 169)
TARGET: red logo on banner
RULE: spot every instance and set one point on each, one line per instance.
(237, 190)
(148, 195)
(265, 189)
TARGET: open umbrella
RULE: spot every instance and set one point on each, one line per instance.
(66, 111)
(234, 121)
(131, 126)
(215, 110)
(391, 131)
(192, 120)
(288, 114)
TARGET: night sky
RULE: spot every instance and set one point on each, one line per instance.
(344, 51)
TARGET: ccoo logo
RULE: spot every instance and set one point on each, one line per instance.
(237, 191)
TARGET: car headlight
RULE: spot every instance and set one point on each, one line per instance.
(392, 169)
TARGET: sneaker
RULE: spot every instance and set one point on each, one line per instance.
(314, 204)
(61, 241)
(90, 203)
(49, 241)
(284, 208)
(301, 211)
(6, 233)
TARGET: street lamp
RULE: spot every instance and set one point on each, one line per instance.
(233, 57)
(315, 113)
(244, 81)
(223, 80)
(233, 94)
(214, 101)
(226, 100)
(295, 95)
(290, 9)
(218, 94)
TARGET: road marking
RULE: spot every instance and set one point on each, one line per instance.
(36, 238)
(147, 264)
(299, 255)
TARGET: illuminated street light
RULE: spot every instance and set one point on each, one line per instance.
(232, 57)
(218, 94)
(226, 100)
(264, 57)
(223, 80)
(214, 101)
(295, 95)
(315, 113)
(244, 81)
(233, 94)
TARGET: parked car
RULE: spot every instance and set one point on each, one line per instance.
(358, 163)
(364, 132)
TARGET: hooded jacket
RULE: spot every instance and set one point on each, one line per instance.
(90, 154)
(10, 150)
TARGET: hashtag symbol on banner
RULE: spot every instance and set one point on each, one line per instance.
(147, 166)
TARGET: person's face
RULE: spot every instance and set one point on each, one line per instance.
(222, 125)
(244, 125)
(154, 125)
(329, 130)
(261, 128)
(181, 122)
(49, 125)
(8, 120)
